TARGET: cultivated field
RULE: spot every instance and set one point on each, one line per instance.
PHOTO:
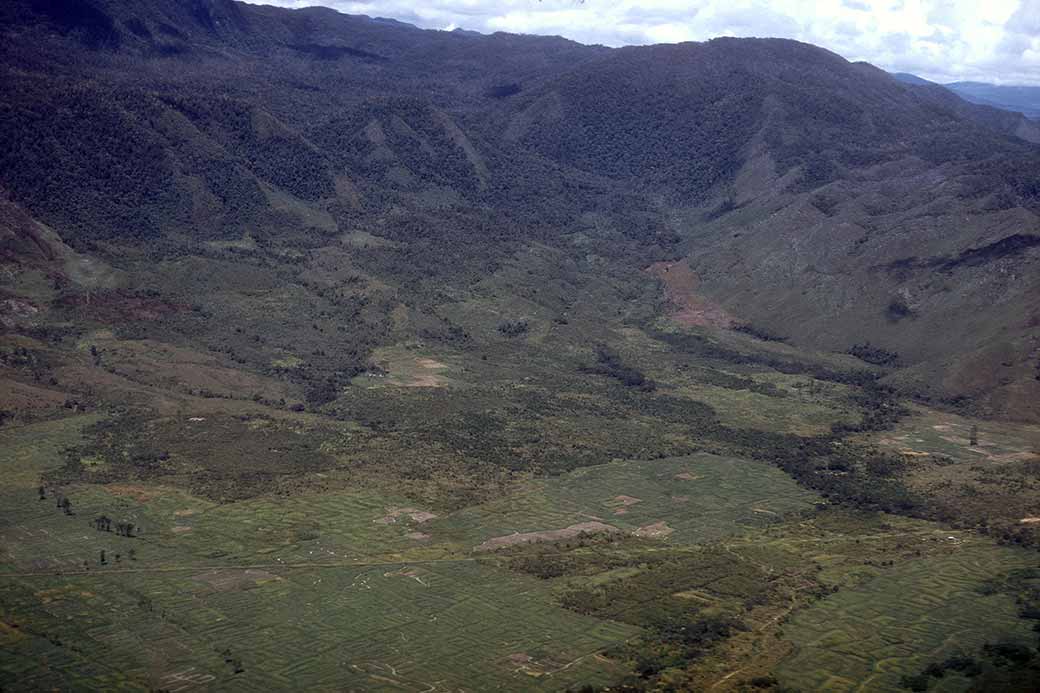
(684, 500)
(869, 637)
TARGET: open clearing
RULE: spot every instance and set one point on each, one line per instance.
(309, 592)
(401, 626)
(701, 497)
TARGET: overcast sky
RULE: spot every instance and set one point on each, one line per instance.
(943, 40)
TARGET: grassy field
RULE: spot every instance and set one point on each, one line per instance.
(359, 587)
(992, 484)
(342, 545)
(321, 591)
(459, 625)
(699, 498)
(869, 637)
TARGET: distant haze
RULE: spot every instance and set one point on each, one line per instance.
(994, 41)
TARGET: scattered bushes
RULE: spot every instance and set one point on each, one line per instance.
(873, 354)
(513, 328)
(609, 363)
(898, 309)
(759, 332)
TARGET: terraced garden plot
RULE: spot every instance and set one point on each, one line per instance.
(460, 625)
(698, 498)
(866, 638)
(930, 432)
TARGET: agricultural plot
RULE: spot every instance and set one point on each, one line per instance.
(690, 499)
(930, 432)
(992, 482)
(868, 637)
(459, 625)
(331, 591)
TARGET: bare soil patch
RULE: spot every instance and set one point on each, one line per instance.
(687, 476)
(680, 289)
(394, 514)
(654, 531)
(621, 503)
(548, 535)
(141, 494)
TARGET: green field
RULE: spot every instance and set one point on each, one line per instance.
(868, 637)
(701, 498)
(359, 584)
(404, 626)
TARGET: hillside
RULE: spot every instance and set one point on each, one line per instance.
(295, 126)
(340, 354)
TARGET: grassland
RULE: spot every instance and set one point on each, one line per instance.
(991, 484)
(698, 498)
(313, 506)
(316, 590)
(870, 637)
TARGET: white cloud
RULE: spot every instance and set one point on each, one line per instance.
(944, 40)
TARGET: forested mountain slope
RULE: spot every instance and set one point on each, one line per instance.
(821, 200)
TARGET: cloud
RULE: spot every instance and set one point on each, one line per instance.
(942, 40)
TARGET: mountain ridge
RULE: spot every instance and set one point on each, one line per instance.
(288, 126)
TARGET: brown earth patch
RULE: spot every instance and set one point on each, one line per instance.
(623, 501)
(403, 572)
(680, 290)
(1029, 520)
(29, 400)
(548, 535)
(429, 363)
(418, 536)
(393, 514)
(179, 529)
(1015, 457)
(141, 494)
(654, 531)
(425, 381)
(687, 476)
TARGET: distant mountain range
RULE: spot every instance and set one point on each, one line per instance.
(1018, 99)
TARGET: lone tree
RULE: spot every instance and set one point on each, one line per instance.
(43, 493)
(973, 437)
(66, 506)
(102, 560)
